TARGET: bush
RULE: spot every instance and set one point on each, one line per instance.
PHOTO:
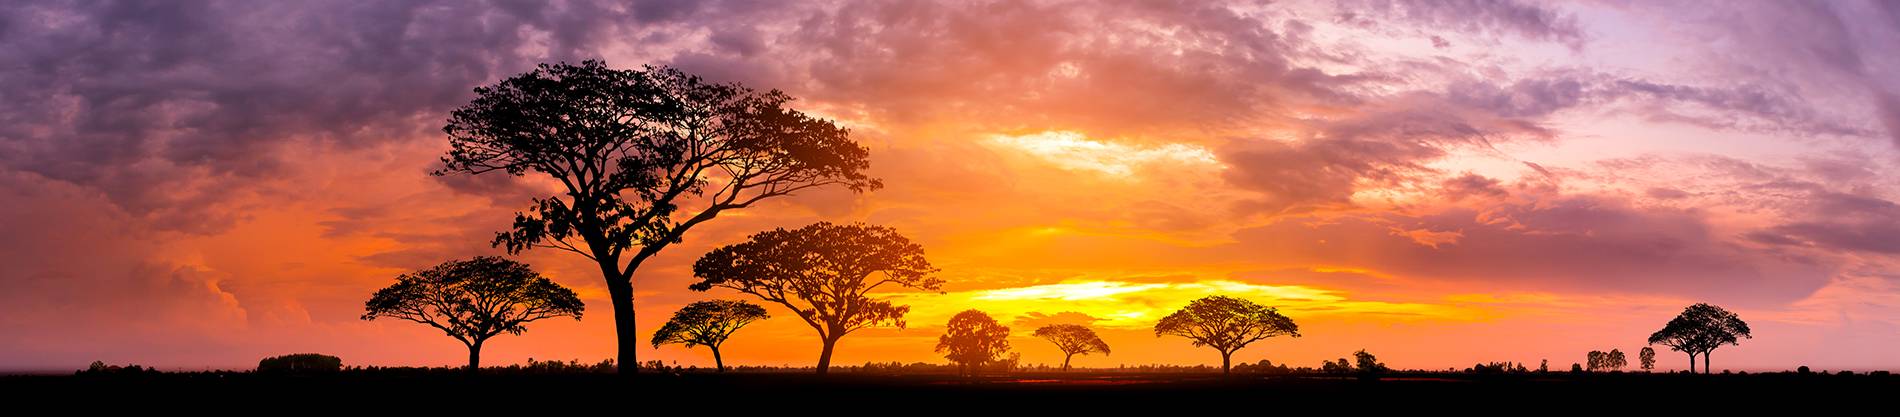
(101, 368)
(301, 363)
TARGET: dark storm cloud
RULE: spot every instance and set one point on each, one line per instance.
(144, 99)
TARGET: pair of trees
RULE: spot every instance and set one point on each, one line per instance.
(1600, 360)
(973, 339)
(1699, 330)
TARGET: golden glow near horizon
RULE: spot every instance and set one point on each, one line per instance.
(1076, 151)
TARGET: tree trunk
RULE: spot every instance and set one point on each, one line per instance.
(721, 363)
(625, 334)
(824, 357)
(1705, 361)
(1226, 362)
(474, 357)
(1692, 363)
(1065, 362)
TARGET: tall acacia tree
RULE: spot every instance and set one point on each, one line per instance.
(1699, 330)
(1072, 339)
(822, 272)
(474, 300)
(973, 339)
(708, 323)
(1226, 324)
(631, 150)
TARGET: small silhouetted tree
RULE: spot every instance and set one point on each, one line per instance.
(708, 323)
(1647, 356)
(1072, 339)
(973, 339)
(823, 272)
(1614, 360)
(1699, 330)
(629, 150)
(474, 300)
(1226, 324)
(1595, 360)
(1368, 365)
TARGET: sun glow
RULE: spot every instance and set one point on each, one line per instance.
(1075, 151)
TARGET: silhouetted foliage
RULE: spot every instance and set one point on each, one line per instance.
(1543, 366)
(973, 339)
(1340, 366)
(822, 273)
(708, 323)
(1648, 358)
(1605, 361)
(474, 300)
(1072, 339)
(1699, 330)
(628, 148)
(101, 368)
(300, 363)
(1226, 324)
(1498, 368)
(1368, 365)
(1576, 368)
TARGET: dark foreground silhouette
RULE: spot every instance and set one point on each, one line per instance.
(717, 394)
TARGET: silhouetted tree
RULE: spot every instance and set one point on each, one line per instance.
(822, 272)
(973, 339)
(1226, 324)
(1699, 330)
(1368, 365)
(1072, 339)
(1595, 360)
(1340, 366)
(1614, 360)
(474, 300)
(629, 148)
(1648, 358)
(1543, 366)
(708, 323)
(300, 363)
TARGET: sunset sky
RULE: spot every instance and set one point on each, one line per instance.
(198, 185)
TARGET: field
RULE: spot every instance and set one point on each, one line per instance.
(714, 394)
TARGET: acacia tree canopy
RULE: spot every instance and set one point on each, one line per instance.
(1072, 339)
(1226, 324)
(973, 339)
(474, 300)
(823, 273)
(628, 148)
(1699, 330)
(708, 323)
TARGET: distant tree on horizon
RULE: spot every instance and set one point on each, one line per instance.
(973, 339)
(300, 363)
(1340, 366)
(474, 300)
(822, 272)
(1367, 365)
(1699, 330)
(1615, 361)
(1226, 324)
(1072, 339)
(708, 323)
(628, 149)
(1595, 360)
(1648, 358)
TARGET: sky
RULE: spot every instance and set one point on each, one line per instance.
(198, 185)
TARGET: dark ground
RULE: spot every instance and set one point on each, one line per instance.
(1117, 393)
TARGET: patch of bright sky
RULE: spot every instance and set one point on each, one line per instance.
(1075, 151)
